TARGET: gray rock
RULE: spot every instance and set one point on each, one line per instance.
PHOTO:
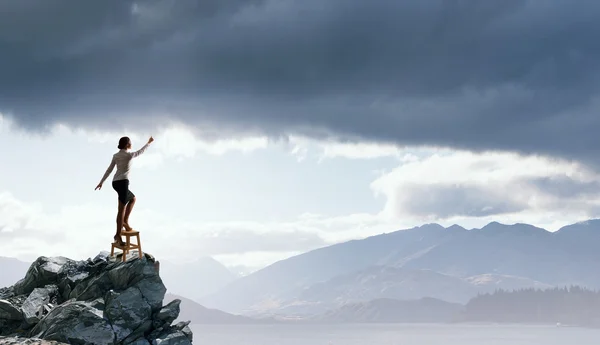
(98, 303)
(95, 301)
(42, 272)
(127, 311)
(75, 271)
(124, 275)
(65, 290)
(8, 311)
(92, 287)
(172, 338)
(102, 256)
(75, 323)
(168, 313)
(33, 307)
(25, 341)
(188, 333)
(153, 290)
(180, 325)
(9, 327)
(140, 332)
(6, 292)
(140, 341)
(184, 327)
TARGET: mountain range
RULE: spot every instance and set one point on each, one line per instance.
(453, 264)
(195, 279)
(449, 264)
(197, 314)
(12, 270)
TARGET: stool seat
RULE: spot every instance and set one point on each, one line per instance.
(125, 248)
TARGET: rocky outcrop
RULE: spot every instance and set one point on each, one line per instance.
(21, 341)
(97, 301)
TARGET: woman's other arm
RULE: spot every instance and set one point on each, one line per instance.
(107, 173)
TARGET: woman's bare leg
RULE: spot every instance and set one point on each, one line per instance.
(127, 213)
(120, 214)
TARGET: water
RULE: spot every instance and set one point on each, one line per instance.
(392, 335)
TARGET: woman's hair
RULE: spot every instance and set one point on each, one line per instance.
(123, 142)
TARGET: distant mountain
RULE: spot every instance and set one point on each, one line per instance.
(391, 283)
(426, 310)
(398, 283)
(520, 251)
(241, 270)
(195, 279)
(284, 280)
(198, 314)
(12, 270)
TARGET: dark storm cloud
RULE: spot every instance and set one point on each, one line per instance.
(509, 74)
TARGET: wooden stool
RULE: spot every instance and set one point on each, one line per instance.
(128, 245)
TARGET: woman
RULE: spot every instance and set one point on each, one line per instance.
(122, 160)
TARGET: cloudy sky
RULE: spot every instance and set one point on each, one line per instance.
(286, 125)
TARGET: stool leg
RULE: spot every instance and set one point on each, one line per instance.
(139, 243)
(127, 245)
(112, 250)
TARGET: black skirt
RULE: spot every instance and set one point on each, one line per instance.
(122, 189)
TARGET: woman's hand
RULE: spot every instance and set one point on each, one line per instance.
(150, 140)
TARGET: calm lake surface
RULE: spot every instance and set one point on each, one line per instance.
(392, 335)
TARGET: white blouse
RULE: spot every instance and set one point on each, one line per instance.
(122, 160)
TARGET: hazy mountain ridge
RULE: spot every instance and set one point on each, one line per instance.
(196, 279)
(525, 253)
(198, 314)
(11, 270)
(386, 282)
(408, 284)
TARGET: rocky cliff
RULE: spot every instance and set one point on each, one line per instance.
(100, 301)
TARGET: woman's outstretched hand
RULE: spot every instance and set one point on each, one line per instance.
(150, 140)
(99, 186)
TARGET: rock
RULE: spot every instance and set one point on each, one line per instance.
(8, 311)
(103, 256)
(123, 275)
(185, 329)
(168, 313)
(75, 323)
(6, 292)
(180, 325)
(153, 290)
(9, 327)
(33, 307)
(96, 301)
(140, 341)
(92, 287)
(188, 333)
(172, 338)
(22, 341)
(42, 272)
(127, 311)
(139, 332)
